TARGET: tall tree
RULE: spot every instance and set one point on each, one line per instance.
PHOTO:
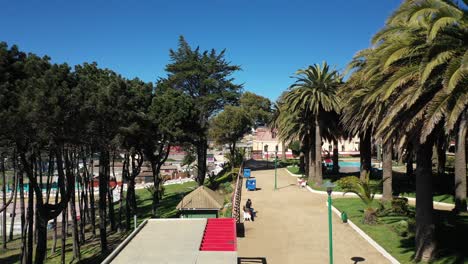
(229, 126)
(315, 93)
(206, 77)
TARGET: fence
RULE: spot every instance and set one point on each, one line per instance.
(236, 196)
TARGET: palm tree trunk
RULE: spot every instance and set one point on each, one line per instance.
(365, 153)
(305, 156)
(311, 154)
(387, 171)
(460, 166)
(283, 151)
(318, 153)
(425, 226)
(441, 157)
(336, 166)
(409, 164)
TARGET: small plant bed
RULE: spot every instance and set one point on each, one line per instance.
(394, 230)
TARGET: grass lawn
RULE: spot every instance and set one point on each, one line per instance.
(294, 169)
(91, 251)
(452, 233)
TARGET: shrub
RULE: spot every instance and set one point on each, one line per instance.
(400, 206)
(227, 187)
(401, 228)
(411, 225)
(348, 182)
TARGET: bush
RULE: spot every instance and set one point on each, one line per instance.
(411, 226)
(400, 206)
(401, 228)
(227, 175)
(227, 187)
(348, 182)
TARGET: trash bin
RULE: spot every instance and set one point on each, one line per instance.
(251, 184)
(246, 173)
(344, 217)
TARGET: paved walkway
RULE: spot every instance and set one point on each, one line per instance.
(292, 227)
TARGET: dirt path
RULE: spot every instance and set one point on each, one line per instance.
(292, 227)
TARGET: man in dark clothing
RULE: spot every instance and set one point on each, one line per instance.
(248, 205)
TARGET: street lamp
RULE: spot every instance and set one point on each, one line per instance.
(276, 162)
(329, 187)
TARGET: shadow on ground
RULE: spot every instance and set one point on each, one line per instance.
(259, 164)
(251, 260)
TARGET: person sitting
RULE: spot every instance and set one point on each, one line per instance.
(303, 183)
(247, 215)
(248, 205)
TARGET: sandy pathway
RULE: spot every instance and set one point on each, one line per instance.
(292, 227)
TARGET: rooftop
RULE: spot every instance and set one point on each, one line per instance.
(201, 198)
(171, 241)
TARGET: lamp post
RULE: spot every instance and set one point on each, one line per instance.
(329, 187)
(276, 162)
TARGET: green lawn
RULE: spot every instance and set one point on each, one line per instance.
(452, 233)
(91, 251)
(294, 169)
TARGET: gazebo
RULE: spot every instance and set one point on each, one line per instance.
(201, 203)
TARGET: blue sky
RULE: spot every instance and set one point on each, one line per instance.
(270, 40)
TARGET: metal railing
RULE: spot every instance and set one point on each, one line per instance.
(236, 196)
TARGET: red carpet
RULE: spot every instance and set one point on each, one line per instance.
(219, 235)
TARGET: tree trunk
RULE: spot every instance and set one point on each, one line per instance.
(318, 153)
(312, 171)
(103, 185)
(460, 166)
(365, 146)
(336, 166)
(441, 157)
(64, 235)
(305, 156)
(41, 247)
(54, 243)
(91, 198)
(283, 151)
(201, 161)
(409, 164)
(130, 202)
(387, 171)
(30, 223)
(13, 214)
(76, 244)
(425, 227)
(23, 218)
(110, 198)
(4, 227)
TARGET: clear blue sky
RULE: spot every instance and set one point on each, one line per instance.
(269, 39)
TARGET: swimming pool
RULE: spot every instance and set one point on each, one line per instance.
(349, 163)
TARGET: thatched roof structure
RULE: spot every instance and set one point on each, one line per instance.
(201, 198)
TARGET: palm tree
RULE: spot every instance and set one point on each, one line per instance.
(419, 58)
(313, 94)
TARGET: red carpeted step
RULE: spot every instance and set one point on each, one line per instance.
(219, 235)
